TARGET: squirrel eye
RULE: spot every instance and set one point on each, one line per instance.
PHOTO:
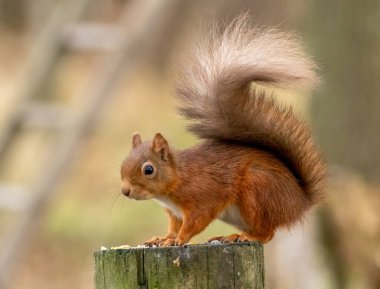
(148, 170)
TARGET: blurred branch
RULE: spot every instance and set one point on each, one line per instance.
(93, 36)
(137, 20)
(43, 57)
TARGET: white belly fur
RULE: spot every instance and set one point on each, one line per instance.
(232, 216)
(167, 203)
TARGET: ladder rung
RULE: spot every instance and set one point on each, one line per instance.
(46, 115)
(13, 197)
(92, 36)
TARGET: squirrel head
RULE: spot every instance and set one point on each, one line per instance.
(150, 169)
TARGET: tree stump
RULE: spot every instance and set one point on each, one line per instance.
(220, 266)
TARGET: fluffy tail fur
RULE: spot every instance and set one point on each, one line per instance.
(216, 95)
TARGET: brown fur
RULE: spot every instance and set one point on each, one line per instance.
(257, 168)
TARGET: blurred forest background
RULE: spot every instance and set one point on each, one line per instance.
(77, 78)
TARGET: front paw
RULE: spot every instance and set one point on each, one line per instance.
(171, 242)
(155, 241)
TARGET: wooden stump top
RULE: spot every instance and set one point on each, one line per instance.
(238, 265)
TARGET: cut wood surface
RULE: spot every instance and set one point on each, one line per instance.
(238, 265)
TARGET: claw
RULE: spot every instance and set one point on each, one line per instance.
(225, 239)
(155, 241)
(168, 243)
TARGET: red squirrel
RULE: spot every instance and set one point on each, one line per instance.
(256, 167)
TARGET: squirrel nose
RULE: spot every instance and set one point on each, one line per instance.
(126, 191)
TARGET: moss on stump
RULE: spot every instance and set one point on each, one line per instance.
(239, 265)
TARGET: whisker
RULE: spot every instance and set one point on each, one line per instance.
(114, 199)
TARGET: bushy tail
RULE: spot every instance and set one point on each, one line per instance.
(216, 95)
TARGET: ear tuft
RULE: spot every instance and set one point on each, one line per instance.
(161, 146)
(136, 140)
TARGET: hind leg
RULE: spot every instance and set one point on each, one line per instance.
(256, 209)
(259, 227)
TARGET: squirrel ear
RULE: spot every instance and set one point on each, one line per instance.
(161, 146)
(136, 140)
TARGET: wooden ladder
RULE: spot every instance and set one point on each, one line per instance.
(64, 32)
